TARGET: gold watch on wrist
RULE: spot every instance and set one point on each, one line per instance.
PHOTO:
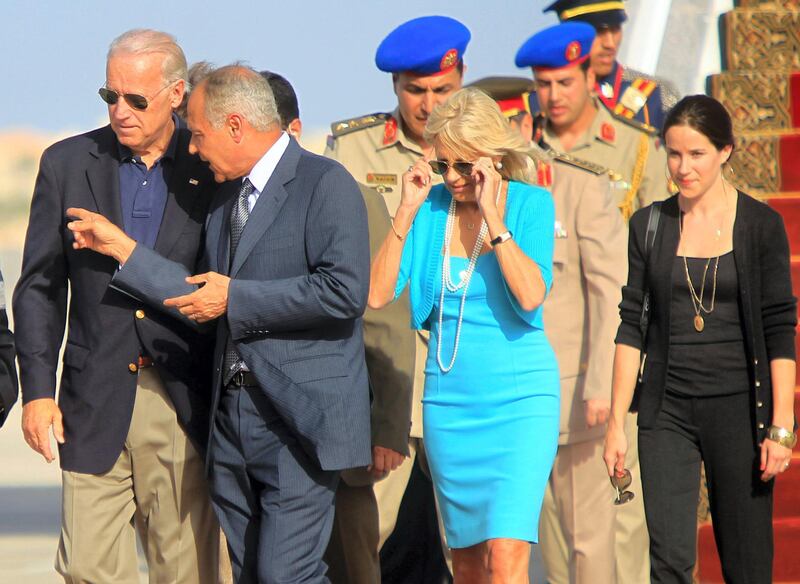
(782, 436)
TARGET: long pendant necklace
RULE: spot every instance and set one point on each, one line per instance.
(463, 283)
(697, 301)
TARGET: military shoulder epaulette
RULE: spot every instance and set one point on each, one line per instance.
(577, 162)
(346, 126)
(641, 126)
(669, 93)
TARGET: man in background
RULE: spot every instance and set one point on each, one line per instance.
(624, 91)
(425, 59)
(575, 124)
(286, 100)
(8, 371)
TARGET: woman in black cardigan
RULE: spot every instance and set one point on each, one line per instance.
(718, 375)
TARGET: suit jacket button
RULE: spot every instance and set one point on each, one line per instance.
(758, 383)
(140, 314)
(755, 361)
(133, 367)
(760, 404)
(761, 426)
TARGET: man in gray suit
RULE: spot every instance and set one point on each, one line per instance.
(287, 251)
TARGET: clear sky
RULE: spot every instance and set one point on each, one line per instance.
(54, 51)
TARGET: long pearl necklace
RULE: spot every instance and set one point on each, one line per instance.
(463, 283)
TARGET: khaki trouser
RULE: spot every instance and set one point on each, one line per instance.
(157, 488)
(365, 518)
(631, 542)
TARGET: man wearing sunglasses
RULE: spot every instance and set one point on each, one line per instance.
(425, 59)
(131, 420)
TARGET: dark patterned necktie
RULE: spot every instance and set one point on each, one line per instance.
(241, 211)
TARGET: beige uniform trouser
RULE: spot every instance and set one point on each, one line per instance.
(367, 516)
(157, 488)
(631, 549)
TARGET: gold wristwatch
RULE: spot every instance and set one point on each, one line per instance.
(782, 436)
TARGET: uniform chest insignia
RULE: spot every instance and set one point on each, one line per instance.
(607, 90)
(381, 179)
(608, 132)
(389, 131)
(194, 182)
(560, 232)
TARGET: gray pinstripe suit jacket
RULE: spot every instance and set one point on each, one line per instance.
(300, 279)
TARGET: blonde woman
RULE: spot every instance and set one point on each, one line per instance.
(477, 255)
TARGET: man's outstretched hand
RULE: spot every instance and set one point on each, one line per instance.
(95, 232)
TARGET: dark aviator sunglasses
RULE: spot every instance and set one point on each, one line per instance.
(621, 483)
(441, 166)
(136, 101)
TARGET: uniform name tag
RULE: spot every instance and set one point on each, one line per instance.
(381, 179)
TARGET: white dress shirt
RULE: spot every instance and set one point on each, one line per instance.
(262, 171)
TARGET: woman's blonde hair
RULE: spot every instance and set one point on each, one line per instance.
(470, 122)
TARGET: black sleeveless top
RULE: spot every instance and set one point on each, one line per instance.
(712, 362)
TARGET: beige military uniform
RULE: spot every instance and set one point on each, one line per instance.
(581, 320)
(389, 342)
(376, 151)
(632, 153)
(636, 164)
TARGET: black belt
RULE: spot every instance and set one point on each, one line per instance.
(242, 379)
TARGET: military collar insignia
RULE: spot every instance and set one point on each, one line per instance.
(390, 131)
(608, 133)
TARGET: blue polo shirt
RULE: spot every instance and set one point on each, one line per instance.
(144, 191)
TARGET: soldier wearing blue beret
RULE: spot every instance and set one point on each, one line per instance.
(583, 538)
(425, 57)
(624, 91)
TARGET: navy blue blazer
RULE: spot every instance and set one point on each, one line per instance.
(300, 280)
(105, 336)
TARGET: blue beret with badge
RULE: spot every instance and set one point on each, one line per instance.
(428, 45)
(598, 13)
(564, 45)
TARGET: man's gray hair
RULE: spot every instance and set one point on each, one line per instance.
(241, 90)
(142, 41)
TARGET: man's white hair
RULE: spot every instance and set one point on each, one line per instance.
(142, 41)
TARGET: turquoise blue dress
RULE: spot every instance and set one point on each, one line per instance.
(491, 422)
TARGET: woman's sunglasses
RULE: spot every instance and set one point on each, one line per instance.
(136, 101)
(620, 484)
(441, 166)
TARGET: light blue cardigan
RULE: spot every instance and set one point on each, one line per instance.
(529, 215)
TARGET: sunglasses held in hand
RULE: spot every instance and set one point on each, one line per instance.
(620, 484)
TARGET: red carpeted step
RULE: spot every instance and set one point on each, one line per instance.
(787, 490)
(789, 208)
(767, 162)
(785, 566)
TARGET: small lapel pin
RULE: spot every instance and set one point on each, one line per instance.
(194, 181)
